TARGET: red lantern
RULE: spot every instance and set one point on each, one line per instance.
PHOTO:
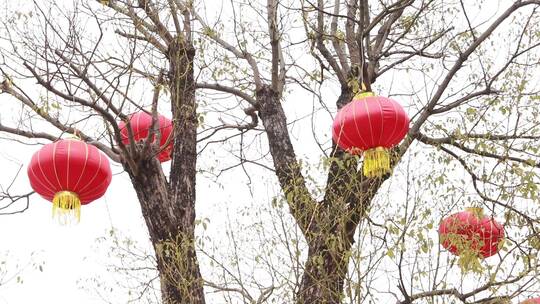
(69, 173)
(371, 124)
(531, 301)
(470, 232)
(140, 125)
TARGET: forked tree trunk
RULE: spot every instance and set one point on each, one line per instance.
(169, 207)
(327, 225)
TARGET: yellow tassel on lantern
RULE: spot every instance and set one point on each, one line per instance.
(469, 261)
(376, 162)
(67, 206)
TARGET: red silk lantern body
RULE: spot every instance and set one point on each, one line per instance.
(368, 123)
(531, 301)
(69, 173)
(472, 232)
(372, 125)
(140, 125)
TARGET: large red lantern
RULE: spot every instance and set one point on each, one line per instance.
(140, 125)
(69, 173)
(372, 125)
(471, 233)
(531, 301)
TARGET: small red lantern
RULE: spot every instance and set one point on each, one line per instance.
(371, 124)
(531, 301)
(140, 125)
(69, 173)
(470, 232)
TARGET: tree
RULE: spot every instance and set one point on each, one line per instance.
(75, 73)
(359, 44)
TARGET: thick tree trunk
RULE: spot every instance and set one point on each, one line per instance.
(324, 272)
(183, 177)
(288, 169)
(169, 207)
(329, 252)
(172, 240)
(328, 225)
(342, 172)
(326, 267)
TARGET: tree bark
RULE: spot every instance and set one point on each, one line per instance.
(288, 170)
(328, 225)
(326, 265)
(169, 208)
(176, 260)
(324, 272)
(183, 174)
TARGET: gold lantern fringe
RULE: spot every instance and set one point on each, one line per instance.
(470, 261)
(66, 207)
(376, 162)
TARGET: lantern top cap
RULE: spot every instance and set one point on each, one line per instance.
(478, 211)
(361, 95)
(72, 137)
